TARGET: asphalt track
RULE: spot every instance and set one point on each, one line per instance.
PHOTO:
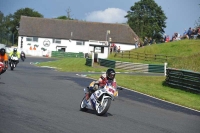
(42, 100)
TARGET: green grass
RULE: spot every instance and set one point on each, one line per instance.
(153, 86)
(187, 51)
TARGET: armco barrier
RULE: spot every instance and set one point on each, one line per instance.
(183, 79)
(138, 67)
(88, 62)
(66, 54)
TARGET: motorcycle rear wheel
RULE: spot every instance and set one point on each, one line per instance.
(102, 109)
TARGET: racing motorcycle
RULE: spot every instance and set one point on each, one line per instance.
(13, 62)
(22, 56)
(1, 67)
(100, 100)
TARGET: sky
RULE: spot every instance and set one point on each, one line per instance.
(181, 14)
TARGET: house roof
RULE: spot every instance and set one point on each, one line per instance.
(75, 30)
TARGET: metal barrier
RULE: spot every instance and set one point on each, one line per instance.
(88, 62)
(183, 79)
(67, 54)
(138, 67)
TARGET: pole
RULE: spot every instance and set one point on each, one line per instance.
(165, 68)
(92, 58)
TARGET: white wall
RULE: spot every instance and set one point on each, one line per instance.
(2, 45)
(125, 47)
(70, 46)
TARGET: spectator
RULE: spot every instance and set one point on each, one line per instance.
(189, 32)
(167, 38)
(119, 49)
(195, 33)
(174, 37)
(178, 36)
(136, 42)
(185, 35)
(150, 41)
(145, 41)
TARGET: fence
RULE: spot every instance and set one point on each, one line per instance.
(183, 79)
(137, 67)
(66, 54)
(88, 62)
(143, 56)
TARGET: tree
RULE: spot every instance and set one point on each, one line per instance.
(64, 17)
(5, 22)
(146, 18)
(16, 19)
(68, 17)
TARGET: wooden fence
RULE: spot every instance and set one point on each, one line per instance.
(143, 56)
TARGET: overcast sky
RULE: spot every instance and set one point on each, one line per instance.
(181, 14)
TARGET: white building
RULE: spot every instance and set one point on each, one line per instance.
(40, 36)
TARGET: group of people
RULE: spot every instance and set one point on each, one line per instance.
(187, 34)
(5, 59)
(114, 48)
(147, 41)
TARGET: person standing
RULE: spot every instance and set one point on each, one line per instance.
(119, 49)
(136, 42)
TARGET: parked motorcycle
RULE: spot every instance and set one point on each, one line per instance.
(100, 100)
(13, 62)
(22, 56)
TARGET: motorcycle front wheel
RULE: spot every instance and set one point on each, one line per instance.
(82, 105)
(22, 58)
(102, 109)
(12, 66)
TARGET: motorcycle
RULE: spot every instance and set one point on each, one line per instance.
(13, 62)
(100, 100)
(1, 67)
(22, 56)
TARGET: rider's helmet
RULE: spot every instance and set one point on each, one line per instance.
(110, 74)
(2, 51)
(15, 50)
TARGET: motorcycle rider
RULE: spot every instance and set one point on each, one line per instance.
(14, 53)
(3, 59)
(101, 82)
(22, 52)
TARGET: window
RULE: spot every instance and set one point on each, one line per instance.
(32, 39)
(29, 39)
(99, 50)
(80, 43)
(35, 39)
(57, 41)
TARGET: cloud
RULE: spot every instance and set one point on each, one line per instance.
(109, 15)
